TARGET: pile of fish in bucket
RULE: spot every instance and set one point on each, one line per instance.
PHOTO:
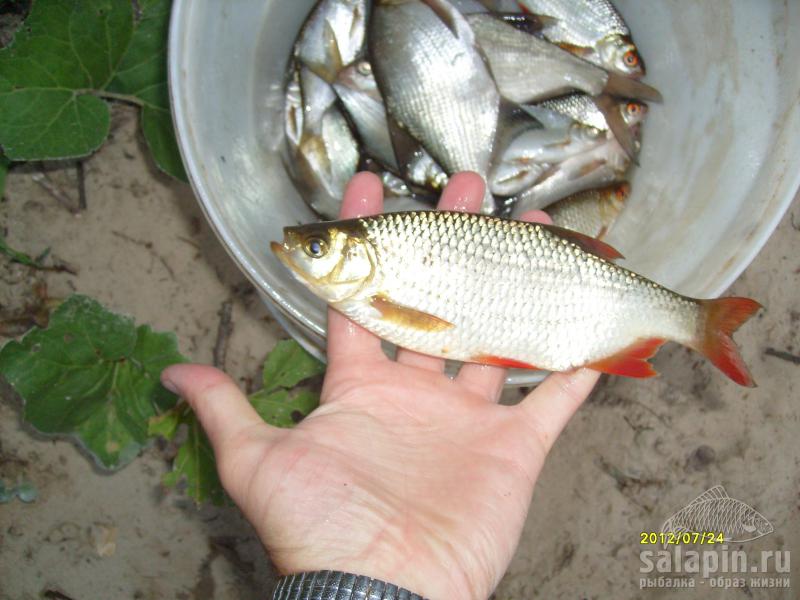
(542, 98)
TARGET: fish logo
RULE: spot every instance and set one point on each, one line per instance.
(715, 511)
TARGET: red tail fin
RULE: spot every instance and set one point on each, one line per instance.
(723, 317)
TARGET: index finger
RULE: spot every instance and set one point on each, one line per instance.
(348, 342)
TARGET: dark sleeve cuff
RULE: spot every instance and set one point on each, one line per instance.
(335, 585)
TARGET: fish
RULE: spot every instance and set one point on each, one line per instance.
(325, 155)
(527, 69)
(600, 165)
(535, 152)
(714, 511)
(582, 108)
(591, 29)
(591, 212)
(358, 90)
(437, 88)
(487, 290)
(333, 37)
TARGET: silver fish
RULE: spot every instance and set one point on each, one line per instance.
(591, 29)
(528, 69)
(535, 152)
(327, 155)
(436, 86)
(333, 37)
(601, 165)
(592, 212)
(583, 109)
(293, 109)
(508, 293)
(359, 93)
(714, 511)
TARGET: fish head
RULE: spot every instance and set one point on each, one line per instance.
(755, 523)
(334, 260)
(358, 77)
(633, 112)
(618, 53)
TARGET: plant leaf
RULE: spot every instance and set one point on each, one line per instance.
(143, 73)
(66, 57)
(195, 461)
(287, 365)
(283, 409)
(17, 256)
(4, 164)
(93, 375)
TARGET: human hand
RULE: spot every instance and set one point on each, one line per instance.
(402, 474)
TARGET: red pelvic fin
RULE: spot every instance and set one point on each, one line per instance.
(632, 361)
(723, 317)
(506, 363)
(586, 243)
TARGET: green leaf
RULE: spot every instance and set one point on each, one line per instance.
(67, 57)
(287, 365)
(17, 256)
(143, 73)
(283, 409)
(94, 375)
(195, 461)
(4, 164)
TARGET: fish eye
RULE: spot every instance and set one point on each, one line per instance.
(364, 68)
(316, 247)
(631, 59)
(634, 108)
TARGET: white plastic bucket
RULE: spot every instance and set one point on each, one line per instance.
(720, 161)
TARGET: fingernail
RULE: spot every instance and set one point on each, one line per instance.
(167, 383)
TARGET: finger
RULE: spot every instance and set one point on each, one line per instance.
(349, 343)
(221, 407)
(464, 192)
(550, 406)
(485, 380)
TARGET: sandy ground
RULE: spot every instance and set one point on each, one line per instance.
(634, 455)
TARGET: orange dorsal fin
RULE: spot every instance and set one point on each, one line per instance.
(410, 318)
(586, 243)
(723, 317)
(632, 361)
(506, 363)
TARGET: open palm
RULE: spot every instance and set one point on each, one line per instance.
(403, 473)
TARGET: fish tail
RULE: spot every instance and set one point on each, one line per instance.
(722, 318)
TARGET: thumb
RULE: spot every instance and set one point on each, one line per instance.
(221, 407)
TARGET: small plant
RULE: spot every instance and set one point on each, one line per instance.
(91, 374)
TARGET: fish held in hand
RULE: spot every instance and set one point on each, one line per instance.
(592, 212)
(436, 86)
(487, 290)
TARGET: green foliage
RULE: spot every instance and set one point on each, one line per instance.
(67, 57)
(4, 164)
(194, 462)
(286, 366)
(20, 257)
(94, 375)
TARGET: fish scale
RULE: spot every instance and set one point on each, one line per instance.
(541, 294)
